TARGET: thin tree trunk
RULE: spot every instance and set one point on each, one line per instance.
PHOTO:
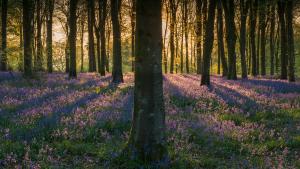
(3, 58)
(133, 17)
(103, 10)
(244, 12)
(186, 34)
(231, 37)
(39, 53)
(28, 12)
(173, 9)
(72, 37)
(290, 41)
(91, 22)
(50, 8)
(272, 39)
(199, 34)
(117, 56)
(253, 12)
(221, 39)
(81, 44)
(208, 42)
(263, 38)
(283, 39)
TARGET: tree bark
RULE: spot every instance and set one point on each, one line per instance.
(244, 6)
(290, 41)
(28, 12)
(117, 56)
(72, 37)
(39, 47)
(253, 12)
(50, 8)
(147, 141)
(263, 37)
(208, 42)
(103, 10)
(220, 33)
(133, 18)
(199, 34)
(173, 9)
(283, 39)
(228, 6)
(3, 59)
(91, 22)
(272, 40)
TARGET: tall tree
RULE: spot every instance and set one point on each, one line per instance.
(199, 34)
(290, 41)
(221, 39)
(229, 10)
(244, 8)
(272, 39)
(49, 20)
(28, 13)
(3, 58)
(38, 65)
(91, 22)
(283, 38)
(173, 10)
(208, 42)
(253, 20)
(102, 13)
(186, 34)
(72, 37)
(117, 56)
(147, 140)
(262, 25)
(132, 21)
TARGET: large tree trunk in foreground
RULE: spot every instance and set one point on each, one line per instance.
(290, 41)
(72, 38)
(117, 56)
(3, 57)
(231, 37)
(208, 43)
(28, 11)
(50, 8)
(147, 141)
(220, 33)
(91, 22)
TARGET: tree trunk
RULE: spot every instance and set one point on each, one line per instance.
(208, 42)
(186, 34)
(244, 12)
(117, 57)
(39, 51)
(72, 37)
(81, 44)
(3, 58)
(199, 34)
(133, 17)
(91, 22)
(221, 39)
(147, 141)
(253, 12)
(173, 9)
(50, 8)
(28, 12)
(165, 45)
(290, 41)
(231, 37)
(103, 10)
(283, 39)
(272, 39)
(263, 37)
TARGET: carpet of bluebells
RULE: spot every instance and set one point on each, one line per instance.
(54, 122)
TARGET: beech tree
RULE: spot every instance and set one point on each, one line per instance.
(3, 57)
(72, 37)
(147, 140)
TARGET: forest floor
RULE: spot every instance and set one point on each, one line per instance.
(54, 122)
